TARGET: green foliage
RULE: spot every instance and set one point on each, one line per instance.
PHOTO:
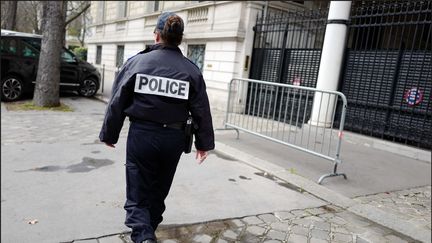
(30, 106)
(80, 52)
(74, 31)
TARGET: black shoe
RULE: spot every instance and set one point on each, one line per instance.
(149, 241)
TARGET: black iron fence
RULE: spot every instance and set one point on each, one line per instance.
(387, 71)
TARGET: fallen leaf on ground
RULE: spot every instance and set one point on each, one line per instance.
(34, 221)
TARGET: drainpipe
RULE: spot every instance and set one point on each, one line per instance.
(331, 62)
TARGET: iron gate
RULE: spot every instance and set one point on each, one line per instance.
(387, 71)
(287, 50)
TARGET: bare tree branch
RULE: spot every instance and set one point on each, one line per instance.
(9, 15)
(76, 15)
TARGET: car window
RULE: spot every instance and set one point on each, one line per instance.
(29, 51)
(35, 43)
(8, 46)
(67, 57)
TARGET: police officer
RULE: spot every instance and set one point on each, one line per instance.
(157, 89)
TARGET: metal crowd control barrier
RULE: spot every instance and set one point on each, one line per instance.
(299, 117)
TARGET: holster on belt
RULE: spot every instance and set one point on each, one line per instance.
(189, 130)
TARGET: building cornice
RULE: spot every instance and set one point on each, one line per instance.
(157, 13)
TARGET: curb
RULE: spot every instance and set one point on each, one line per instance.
(369, 212)
(101, 98)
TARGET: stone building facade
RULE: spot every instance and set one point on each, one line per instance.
(218, 36)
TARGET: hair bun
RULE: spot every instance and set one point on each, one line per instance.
(172, 32)
(175, 24)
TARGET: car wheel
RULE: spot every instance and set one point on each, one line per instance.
(11, 88)
(88, 87)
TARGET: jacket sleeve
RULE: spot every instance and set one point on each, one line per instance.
(200, 110)
(121, 97)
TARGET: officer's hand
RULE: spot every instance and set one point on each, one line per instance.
(201, 156)
(110, 145)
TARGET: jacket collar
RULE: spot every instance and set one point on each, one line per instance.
(161, 46)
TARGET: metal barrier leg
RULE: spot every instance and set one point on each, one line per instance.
(335, 173)
(237, 131)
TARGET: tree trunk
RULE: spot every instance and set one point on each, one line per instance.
(64, 22)
(9, 15)
(47, 86)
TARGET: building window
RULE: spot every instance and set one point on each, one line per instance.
(196, 55)
(119, 56)
(100, 16)
(98, 54)
(153, 6)
(122, 9)
(156, 6)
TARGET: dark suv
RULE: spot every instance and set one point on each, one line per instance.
(19, 64)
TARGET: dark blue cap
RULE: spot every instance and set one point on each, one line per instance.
(163, 18)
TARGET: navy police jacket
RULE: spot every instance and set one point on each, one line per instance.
(159, 85)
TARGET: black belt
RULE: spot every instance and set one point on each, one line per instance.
(176, 125)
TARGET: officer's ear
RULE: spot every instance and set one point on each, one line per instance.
(157, 37)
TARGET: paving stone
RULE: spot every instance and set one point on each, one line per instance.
(221, 241)
(294, 238)
(395, 239)
(170, 241)
(230, 234)
(252, 220)
(237, 222)
(284, 215)
(272, 241)
(322, 225)
(314, 218)
(320, 234)
(110, 239)
(302, 221)
(326, 216)
(255, 230)
(268, 218)
(337, 220)
(340, 229)
(300, 213)
(249, 238)
(126, 238)
(276, 235)
(299, 230)
(86, 241)
(279, 226)
(315, 240)
(316, 211)
(202, 238)
(341, 237)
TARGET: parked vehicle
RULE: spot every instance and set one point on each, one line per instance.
(19, 64)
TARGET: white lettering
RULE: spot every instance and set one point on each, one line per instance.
(148, 84)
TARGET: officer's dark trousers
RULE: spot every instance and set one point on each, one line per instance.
(152, 156)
